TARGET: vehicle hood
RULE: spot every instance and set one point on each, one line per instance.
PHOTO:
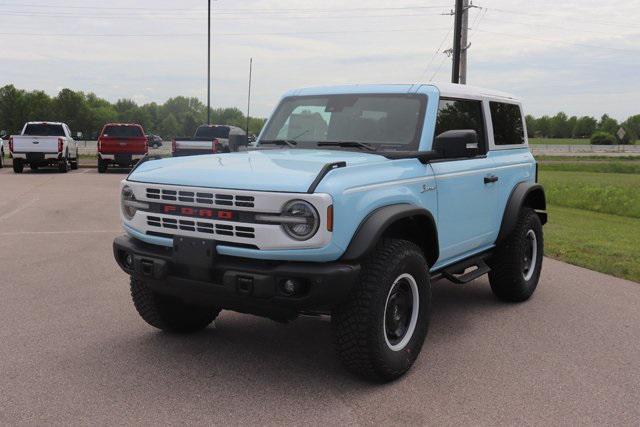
(262, 170)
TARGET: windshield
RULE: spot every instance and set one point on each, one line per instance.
(43, 129)
(119, 131)
(380, 121)
(213, 132)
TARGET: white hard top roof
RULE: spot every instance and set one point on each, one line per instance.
(42, 122)
(451, 89)
(445, 89)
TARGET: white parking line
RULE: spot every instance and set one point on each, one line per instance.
(19, 209)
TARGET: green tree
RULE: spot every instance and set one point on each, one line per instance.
(608, 124)
(13, 109)
(170, 128)
(585, 127)
(632, 126)
(532, 125)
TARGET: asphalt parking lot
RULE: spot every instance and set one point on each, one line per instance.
(74, 351)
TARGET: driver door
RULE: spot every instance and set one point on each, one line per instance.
(467, 200)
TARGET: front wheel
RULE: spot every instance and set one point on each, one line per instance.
(517, 263)
(167, 313)
(380, 330)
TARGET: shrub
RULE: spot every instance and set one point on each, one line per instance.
(602, 138)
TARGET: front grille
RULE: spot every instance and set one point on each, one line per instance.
(199, 226)
(205, 198)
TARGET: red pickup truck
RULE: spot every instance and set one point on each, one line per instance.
(123, 144)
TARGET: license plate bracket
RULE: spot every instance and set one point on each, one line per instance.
(193, 251)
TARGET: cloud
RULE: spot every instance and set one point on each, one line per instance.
(581, 57)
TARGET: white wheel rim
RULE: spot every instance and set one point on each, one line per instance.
(530, 261)
(413, 285)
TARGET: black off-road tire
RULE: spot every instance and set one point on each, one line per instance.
(18, 166)
(359, 325)
(508, 276)
(170, 314)
(102, 166)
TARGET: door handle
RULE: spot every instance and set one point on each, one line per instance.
(490, 178)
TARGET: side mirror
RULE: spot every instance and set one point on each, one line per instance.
(457, 144)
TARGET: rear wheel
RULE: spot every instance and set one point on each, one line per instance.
(102, 166)
(517, 263)
(18, 166)
(74, 162)
(63, 164)
(380, 330)
(167, 313)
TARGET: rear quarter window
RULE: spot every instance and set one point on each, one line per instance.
(508, 128)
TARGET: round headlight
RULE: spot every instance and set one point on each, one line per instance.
(129, 204)
(300, 220)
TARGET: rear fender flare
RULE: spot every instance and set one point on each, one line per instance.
(525, 194)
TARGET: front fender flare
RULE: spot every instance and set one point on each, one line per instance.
(378, 222)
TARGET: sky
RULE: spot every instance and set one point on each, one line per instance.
(580, 57)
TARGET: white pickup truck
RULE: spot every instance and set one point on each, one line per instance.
(44, 144)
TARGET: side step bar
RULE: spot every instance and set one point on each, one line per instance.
(455, 272)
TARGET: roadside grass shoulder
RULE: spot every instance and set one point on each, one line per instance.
(559, 141)
(601, 242)
(612, 193)
(594, 158)
(624, 167)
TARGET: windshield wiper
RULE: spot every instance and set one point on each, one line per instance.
(356, 144)
(289, 142)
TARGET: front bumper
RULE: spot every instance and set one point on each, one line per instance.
(240, 284)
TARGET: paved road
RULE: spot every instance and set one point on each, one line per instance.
(73, 350)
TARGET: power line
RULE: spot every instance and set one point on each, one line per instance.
(574, 17)
(402, 30)
(196, 18)
(547, 40)
(224, 10)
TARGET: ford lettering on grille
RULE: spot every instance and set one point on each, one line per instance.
(198, 212)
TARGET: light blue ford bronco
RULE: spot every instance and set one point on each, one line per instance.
(353, 200)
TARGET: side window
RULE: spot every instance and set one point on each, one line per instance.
(458, 114)
(507, 124)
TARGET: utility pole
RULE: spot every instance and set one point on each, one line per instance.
(463, 42)
(249, 96)
(209, 65)
(457, 36)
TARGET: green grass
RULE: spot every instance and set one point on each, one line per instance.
(558, 141)
(612, 193)
(632, 167)
(545, 158)
(601, 242)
